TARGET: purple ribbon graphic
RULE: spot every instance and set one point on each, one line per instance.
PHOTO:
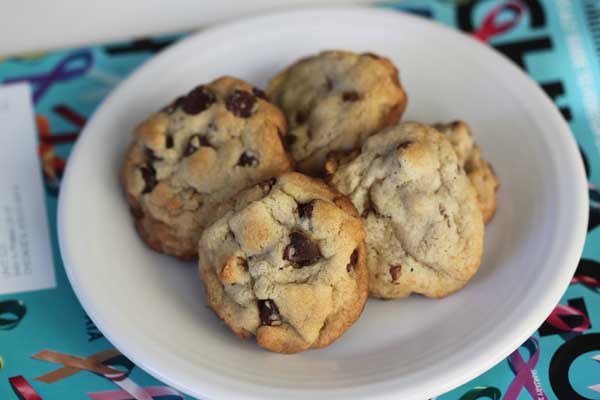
(71, 66)
(524, 372)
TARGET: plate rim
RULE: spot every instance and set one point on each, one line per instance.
(434, 385)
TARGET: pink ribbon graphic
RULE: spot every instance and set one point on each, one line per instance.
(585, 280)
(555, 319)
(587, 273)
(490, 28)
(23, 389)
(153, 391)
(523, 370)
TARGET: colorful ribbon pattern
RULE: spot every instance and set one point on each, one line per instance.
(525, 372)
(97, 363)
(579, 322)
(588, 274)
(73, 65)
(53, 165)
(73, 364)
(535, 38)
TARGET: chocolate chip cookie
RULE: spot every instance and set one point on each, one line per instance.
(286, 263)
(194, 154)
(333, 101)
(424, 226)
(478, 170)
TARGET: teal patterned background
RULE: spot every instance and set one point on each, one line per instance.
(561, 360)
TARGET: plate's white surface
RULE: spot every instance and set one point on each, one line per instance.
(152, 308)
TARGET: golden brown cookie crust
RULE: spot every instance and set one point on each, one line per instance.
(190, 157)
(334, 100)
(424, 226)
(286, 263)
(479, 171)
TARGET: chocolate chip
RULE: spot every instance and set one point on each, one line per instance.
(353, 261)
(301, 250)
(445, 215)
(259, 93)
(350, 96)
(151, 155)
(405, 145)
(395, 271)
(240, 103)
(169, 143)
(171, 108)
(198, 100)
(247, 159)
(372, 55)
(269, 313)
(329, 83)
(305, 210)
(194, 144)
(301, 117)
(149, 175)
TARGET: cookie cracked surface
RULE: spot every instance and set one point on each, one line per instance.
(335, 100)
(479, 171)
(424, 226)
(194, 154)
(287, 264)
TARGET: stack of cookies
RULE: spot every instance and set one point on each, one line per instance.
(302, 201)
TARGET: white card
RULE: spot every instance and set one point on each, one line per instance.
(26, 261)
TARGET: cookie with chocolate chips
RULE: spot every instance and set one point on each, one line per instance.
(479, 171)
(421, 214)
(190, 157)
(333, 101)
(286, 263)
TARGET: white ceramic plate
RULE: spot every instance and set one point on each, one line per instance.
(152, 306)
